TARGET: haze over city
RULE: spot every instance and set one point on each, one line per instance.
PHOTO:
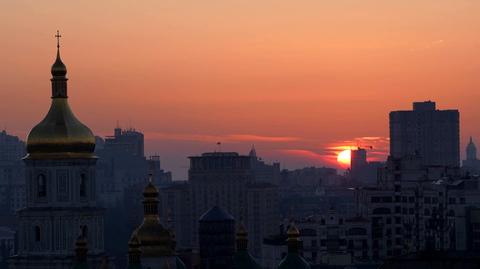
(298, 79)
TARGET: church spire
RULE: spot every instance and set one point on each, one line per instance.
(59, 72)
(471, 150)
(293, 260)
(242, 259)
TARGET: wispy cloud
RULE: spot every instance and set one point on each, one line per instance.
(259, 138)
(220, 138)
(309, 156)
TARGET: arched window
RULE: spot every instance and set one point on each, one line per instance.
(42, 185)
(37, 234)
(83, 185)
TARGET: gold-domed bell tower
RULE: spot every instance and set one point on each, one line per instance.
(60, 186)
(157, 242)
(293, 259)
(242, 259)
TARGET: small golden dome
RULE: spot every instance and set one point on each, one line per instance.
(150, 191)
(155, 239)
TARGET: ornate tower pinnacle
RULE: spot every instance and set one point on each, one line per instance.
(59, 72)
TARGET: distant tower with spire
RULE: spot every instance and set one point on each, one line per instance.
(242, 258)
(471, 164)
(293, 259)
(60, 185)
(152, 245)
(471, 150)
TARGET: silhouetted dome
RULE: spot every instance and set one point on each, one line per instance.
(242, 259)
(216, 214)
(58, 68)
(150, 190)
(155, 240)
(293, 260)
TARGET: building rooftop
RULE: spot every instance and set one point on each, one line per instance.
(219, 154)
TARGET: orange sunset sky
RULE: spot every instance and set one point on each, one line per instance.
(299, 79)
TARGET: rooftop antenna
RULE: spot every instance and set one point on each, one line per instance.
(219, 146)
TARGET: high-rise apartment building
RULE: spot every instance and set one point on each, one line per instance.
(12, 174)
(432, 134)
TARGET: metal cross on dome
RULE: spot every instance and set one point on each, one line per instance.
(58, 38)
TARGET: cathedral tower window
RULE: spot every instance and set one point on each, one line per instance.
(37, 234)
(42, 185)
(83, 185)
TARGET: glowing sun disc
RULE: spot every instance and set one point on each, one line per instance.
(344, 157)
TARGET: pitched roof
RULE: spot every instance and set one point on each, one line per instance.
(216, 214)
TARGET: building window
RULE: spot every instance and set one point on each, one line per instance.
(83, 185)
(42, 185)
(62, 186)
(37, 234)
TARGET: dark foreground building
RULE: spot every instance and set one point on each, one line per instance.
(217, 239)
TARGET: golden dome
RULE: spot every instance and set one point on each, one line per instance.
(60, 134)
(155, 240)
(150, 191)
